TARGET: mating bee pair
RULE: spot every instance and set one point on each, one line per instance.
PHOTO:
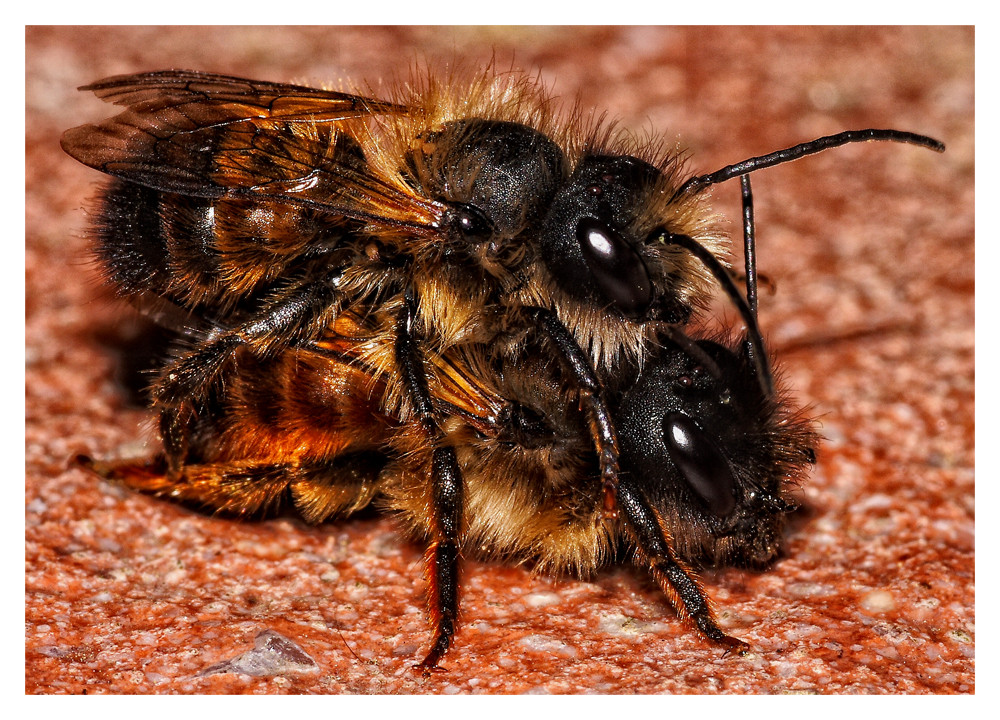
(455, 301)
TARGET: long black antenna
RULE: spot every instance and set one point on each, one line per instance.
(748, 306)
(807, 148)
(754, 338)
(749, 253)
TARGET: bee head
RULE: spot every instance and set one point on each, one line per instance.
(712, 452)
(496, 177)
(595, 246)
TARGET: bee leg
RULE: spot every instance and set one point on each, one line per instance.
(446, 495)
(602, 430)
(319, 488)
(238, 488)
(175, 428)
(677, 582)
(295, 314)
(147, 476)
(443, 554)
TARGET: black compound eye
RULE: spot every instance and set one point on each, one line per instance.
(471, 224)
(617, 268)
(701, 463)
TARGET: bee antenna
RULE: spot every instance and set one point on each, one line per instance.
(749, 253)
(749, 244)
(754, 338)
(807, 148)
(689, 346)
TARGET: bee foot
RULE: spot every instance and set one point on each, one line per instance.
(426, 668)
(733, 645)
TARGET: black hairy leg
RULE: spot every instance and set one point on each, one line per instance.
(442, 556)
(652, 542)
(581, 374)
(296, 314)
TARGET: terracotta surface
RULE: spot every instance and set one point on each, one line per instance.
(871, 250)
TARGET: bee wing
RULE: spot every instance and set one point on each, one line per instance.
(240, 97)
(211, 136)
(458, 382)
(461, 387)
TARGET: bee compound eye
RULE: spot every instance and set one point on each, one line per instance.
(700, 463)
(471, 224)
(617, 268)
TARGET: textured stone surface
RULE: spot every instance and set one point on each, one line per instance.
(871, 249)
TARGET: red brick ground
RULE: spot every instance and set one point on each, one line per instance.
(871, 248)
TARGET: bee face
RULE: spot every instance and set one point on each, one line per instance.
(588, 240)
(713, 454)
(602, 259)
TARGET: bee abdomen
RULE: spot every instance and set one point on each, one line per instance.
(131, 245)
(210, 252)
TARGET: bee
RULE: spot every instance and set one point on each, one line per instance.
(709, 451)
(471, 228)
